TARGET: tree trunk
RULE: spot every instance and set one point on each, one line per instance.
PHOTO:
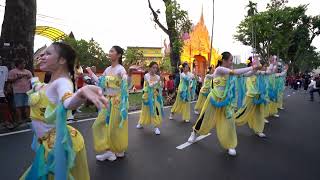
(18, 29)
(174, 56)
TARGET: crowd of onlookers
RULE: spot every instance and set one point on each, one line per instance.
(14, 85)
(306, 81)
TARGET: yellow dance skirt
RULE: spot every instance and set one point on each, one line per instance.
(110, 137)
(80, 171)
(201, 99)
(181, 107)
(280, 100)
(252, 114)
(147, 119)
(273, 108)
(213, 117)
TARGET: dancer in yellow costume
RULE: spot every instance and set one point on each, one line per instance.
(152, 104)
(182, 103)
(273, 90)
(60, 152)
(217, 111)
(255, 101)
(204, 91)
(110, 129)
(280, 81)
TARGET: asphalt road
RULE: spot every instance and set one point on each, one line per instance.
(291, 150)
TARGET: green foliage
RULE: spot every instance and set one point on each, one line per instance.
(241, 65)
(89, 53)
(133, 56)
(165, 65)
(280, 30)
(252, 8)
(178, 23)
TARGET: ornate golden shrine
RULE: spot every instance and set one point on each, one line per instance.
(196, 50)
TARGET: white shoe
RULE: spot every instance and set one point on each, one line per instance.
(107, 155)
(171, 116)
(232, 152)
(262, 135)
(78, 110)
(276, 115)
(196, 112)
(187, 121)
(266, 121)
(139, 126)
(157, 131)
(120, 155)
(281, 108)
(192, 137)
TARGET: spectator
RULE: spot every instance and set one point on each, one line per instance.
(79, 77)
(170, 85)
(20, 79)
(314, 87)
(3, 79)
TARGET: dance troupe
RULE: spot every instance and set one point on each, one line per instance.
(229, 97)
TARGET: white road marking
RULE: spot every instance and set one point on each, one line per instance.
(186, 144)
(15, 132)
(71, 122)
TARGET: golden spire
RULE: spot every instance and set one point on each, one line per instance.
(201, 18)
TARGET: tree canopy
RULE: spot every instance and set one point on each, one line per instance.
(89, 53)
(284, 31)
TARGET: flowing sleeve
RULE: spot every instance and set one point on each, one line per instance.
(220, 71)
(124, 104)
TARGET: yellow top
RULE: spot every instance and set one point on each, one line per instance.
(38, 103)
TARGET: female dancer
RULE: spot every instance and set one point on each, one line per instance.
(253, 110)
(217, 111)
(204, 91)
(61, 150)
(182, 103)
(110, 130)
(273, 89)
(152, 105)
(280, 81)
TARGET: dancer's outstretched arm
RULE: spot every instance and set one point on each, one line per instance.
(74, 100)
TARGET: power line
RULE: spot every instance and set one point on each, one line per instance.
(41, 15)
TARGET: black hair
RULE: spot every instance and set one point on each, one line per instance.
(209, 69)
(119, 50)
(183, 66)
(225, 56)
(19, 61)
(69, 54)
(250, 63)
(153, 63)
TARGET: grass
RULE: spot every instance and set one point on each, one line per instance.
(135, 99)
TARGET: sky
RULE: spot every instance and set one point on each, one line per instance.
(129, 22)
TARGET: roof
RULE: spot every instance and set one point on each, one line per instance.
(144, 47)
(52, 33)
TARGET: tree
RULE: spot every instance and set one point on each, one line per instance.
(284, 31)
(252, 8)
(177, 23)
(133, 56)
(165, 65)
(89, 53)
(18, 29)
